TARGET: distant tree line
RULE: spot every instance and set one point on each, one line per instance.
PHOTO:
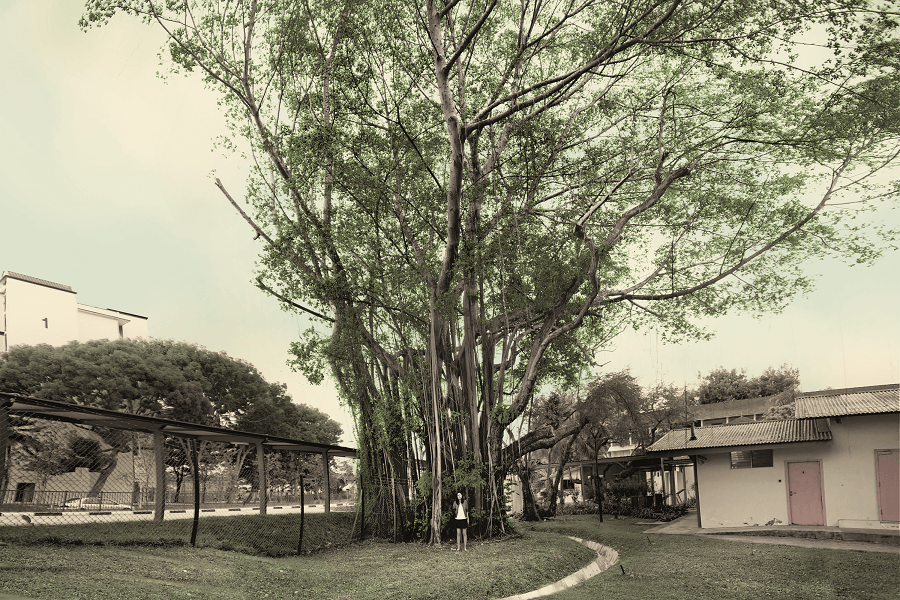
(615, 408)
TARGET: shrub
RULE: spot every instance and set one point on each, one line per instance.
(635, 485)
(577, 508)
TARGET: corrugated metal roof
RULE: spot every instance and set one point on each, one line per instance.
(745, 434)
(98, 417)
(35, 280)
(732, 408)
(825, 404)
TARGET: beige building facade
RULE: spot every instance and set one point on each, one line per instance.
(36, 311)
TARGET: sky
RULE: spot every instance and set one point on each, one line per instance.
(106, 185)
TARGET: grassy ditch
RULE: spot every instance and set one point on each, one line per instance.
(363, 571)
(677, 567)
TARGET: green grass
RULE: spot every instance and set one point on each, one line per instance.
(677, 567)
(271, 535)
(655, 566)
(363, 571)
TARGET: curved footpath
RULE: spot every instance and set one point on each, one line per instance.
(606, 557)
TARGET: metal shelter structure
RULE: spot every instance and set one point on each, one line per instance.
(16, 404)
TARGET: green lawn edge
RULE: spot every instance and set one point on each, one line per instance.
(702, 568)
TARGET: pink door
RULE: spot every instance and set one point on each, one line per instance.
(805, 491)
(889, 485)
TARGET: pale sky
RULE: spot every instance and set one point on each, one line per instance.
(105, 185)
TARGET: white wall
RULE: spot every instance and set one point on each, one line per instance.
(136, 328)
(851, 486)
(740, 497)
(25, 305)
(96, 326)
(28, 304)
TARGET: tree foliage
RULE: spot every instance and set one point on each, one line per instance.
(173, 380)
(468, 198)
(612, 408)
(722, 385)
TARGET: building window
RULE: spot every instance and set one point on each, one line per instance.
(748, 459)
(568, 484)
(25, 492)
(714, 422)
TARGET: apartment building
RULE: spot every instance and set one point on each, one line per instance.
(36, 311)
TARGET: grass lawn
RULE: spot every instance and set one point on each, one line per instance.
(271, 535)
(678, 567)
(656, 567)
(363, 571)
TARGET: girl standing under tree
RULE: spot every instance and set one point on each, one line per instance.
(461, 520)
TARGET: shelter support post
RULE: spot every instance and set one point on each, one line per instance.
(662, 473)
(302, 516)
(261, 471)
(195, 468)
(4, 443)
(697, 490)
(159, 463)
(327, 482)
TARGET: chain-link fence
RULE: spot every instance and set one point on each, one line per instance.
(391, 510)
(64, 478)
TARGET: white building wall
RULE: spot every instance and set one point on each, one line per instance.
(758, 496)
(851, 485)
(27, 307)
(136, 328)
(32, 313)
(95, 326)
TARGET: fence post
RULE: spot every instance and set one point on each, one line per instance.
(4, 442)
(261, 470)
(159, 460)
(302, 516)
(195, 468)
(327, 482)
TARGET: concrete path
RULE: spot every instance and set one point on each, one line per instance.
(606, 557)
(77, 517)
(784, 535)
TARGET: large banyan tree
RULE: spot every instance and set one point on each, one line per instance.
(468, 198)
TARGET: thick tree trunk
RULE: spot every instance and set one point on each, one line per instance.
(563, 460)
(104, 474)
(529, 506)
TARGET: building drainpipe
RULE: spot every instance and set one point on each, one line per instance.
(697, 490)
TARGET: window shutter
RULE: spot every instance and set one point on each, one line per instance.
(740, 460)
(761, 458)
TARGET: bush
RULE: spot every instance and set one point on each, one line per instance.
(624, 507)
(635, 485)
(577, 508)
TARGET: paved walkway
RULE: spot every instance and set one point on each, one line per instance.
(606, 557)
(783, 535)
(76, 517)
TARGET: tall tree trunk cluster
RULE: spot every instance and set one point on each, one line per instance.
(468, 198)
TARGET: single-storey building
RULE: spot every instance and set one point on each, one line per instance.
(837, 463)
